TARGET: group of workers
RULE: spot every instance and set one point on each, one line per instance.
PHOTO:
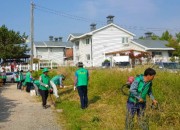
(136, 103)
(42, 86)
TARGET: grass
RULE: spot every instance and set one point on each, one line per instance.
(107, 105)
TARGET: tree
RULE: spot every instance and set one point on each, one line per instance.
(166, 36)
(178, 37)
(174, 44)
(12, 44)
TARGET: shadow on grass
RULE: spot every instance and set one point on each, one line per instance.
(68, 91)
(94, 99)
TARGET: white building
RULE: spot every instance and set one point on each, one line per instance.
(91, 48)
(53, 50)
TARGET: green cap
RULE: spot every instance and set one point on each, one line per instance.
(45, 70)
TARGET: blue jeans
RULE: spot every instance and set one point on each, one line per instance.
(82, 91)
(132, 109)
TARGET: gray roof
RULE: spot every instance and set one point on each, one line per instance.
(53, 44)
(152, 43)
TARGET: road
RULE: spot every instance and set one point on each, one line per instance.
(20, 111)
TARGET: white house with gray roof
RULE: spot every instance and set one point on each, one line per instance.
(90, 48)
(94, 47)
(158, 49)
(51, 50)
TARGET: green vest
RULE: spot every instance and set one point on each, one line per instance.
(142, 89)
(45, 80)
(82, 77)
(28, 77)
(55, 79)
(3, 75)
(37, 83)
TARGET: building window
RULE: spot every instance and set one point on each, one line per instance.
(88, 56)
(156, 53)
(87, 41)
(124, 39)
(77, 45)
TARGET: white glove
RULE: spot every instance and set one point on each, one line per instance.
(74, 88)
(46, 85)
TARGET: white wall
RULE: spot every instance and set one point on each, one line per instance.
(55, 54)
(107, 40)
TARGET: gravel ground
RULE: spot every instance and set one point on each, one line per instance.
(20, 111)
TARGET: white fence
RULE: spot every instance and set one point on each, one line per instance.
(40, 65)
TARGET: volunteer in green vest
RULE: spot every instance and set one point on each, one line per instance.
(81, 83)
(20, 79)
(44, 87)
(57, 80)
(3, 74)
(28, 81)
(140, 88)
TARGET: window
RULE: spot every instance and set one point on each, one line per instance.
(124, 39)
(88, 56)
(156, 53)
(77, 45)
(87, 41)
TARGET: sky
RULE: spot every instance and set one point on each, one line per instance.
(60, 18)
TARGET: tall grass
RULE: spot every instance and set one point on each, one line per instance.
(107, 105)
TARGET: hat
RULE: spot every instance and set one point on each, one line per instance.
(80, 64)
(63, 77)
(45, 70)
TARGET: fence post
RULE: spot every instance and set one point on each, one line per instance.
(51, 64)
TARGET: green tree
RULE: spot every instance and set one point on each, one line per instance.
(166, 36)
(178, 37)
(12, 44)
(174, 44)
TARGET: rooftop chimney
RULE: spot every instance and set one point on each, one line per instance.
(60, 39)
(50, 38)
(110, 19)
(55, 39)
(148, 35)
(93, 26)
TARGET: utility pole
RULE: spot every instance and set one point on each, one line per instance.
(32, 34)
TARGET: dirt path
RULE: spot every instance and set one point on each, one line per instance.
(20, 111)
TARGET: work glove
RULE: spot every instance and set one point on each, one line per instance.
(74, 88)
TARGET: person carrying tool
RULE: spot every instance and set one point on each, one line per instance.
(81, 83)
(139, 89)
(55, 81)
(44, 87)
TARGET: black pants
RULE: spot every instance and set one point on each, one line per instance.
(44, 95)
(19, 84)
(28, 86)
(82, 91)
(4, 81)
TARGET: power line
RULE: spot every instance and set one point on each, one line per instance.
(83, 19)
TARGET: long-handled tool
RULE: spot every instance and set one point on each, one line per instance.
(52, 102)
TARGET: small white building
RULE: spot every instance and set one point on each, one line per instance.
(52, 50)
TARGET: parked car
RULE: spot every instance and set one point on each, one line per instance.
(11, 76)
(123, 64)
(169, 66)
